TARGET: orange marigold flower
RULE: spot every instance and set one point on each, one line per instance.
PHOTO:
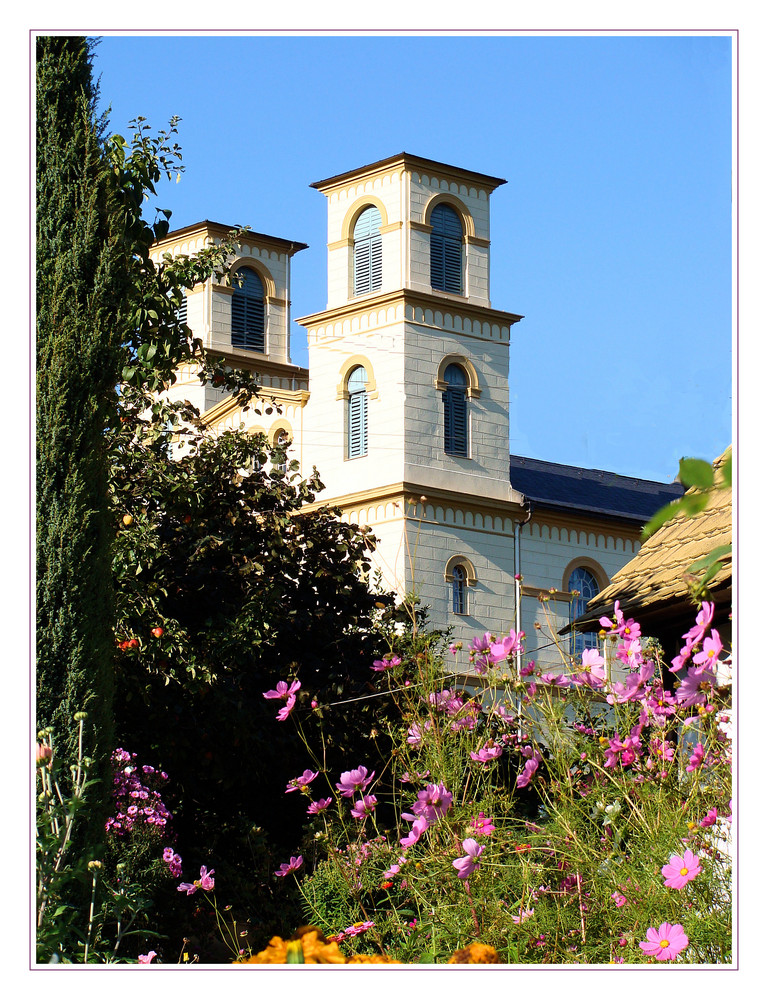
(307, 948)
(475, 954)
(372, 959)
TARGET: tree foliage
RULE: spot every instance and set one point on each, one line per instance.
(82, 277)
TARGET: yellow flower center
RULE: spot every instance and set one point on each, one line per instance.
(664, 943)
(294, 953)
(683, 871)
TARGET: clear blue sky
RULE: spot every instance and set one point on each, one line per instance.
(612, 236)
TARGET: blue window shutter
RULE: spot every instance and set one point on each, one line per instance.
(445, 250)
(456, 438)
(367, 252)
(357, 414)
(248, 311)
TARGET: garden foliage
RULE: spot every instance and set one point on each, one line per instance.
(579, 817)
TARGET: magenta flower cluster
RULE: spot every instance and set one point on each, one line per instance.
(137, 801)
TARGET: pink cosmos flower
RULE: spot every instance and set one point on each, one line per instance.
(416, 733)
(354, 930)
(387, 661)
(530, 768)
(696, 758)
(618, 899)
(315, 808)
(634, 688)
(712, 648)
(364, 807)
(624, 751)
(484, 754)
(481, 825)
(353, 781)
(710, 819)
(433, 802)
(283, 691)
(618, 615)
(703, 621)
(680, 871)
(290, 866)
(681, 659)
(468, 864)
(505, 647)
(522, 916)
(593, 674)
(447, 701)
(630, 652)
(420, 824)
(629, 630)
(286, 710)
(301, 783)
(146, 959)
(665, 943)
(689, 693)
(205, 882)
(558, 680)
(479, 652)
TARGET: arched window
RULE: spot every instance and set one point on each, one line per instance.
(280, 457)
(459, 590)
(367, 251)
(584, 582)
(248, 310)
(455, 422)
(357, 413)
(445, 249)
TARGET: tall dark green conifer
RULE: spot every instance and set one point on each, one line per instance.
(80, 281)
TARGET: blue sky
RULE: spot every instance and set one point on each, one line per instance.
(612, 235)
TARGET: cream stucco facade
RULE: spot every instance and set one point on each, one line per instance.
(436, 499)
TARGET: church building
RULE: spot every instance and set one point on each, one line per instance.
(404, 407)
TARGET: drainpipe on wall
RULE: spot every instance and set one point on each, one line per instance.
(528, 506)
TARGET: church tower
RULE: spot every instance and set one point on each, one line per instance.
(408, 415)
(244, 319)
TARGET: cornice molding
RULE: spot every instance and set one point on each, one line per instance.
(406, 296)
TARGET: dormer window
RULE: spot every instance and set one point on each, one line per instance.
(367, 251)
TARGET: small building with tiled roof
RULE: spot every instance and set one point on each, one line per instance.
(653, 587)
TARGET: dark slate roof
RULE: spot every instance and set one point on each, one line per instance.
(590, 491)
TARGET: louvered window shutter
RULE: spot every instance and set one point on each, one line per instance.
(455, 412)
(181, 311)
(445, 250)
(357, 414)
(367, 251)
(248, 311)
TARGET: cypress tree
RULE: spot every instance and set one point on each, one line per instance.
(81, 275)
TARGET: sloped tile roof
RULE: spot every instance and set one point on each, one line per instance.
(590, 491)
(655, 578)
